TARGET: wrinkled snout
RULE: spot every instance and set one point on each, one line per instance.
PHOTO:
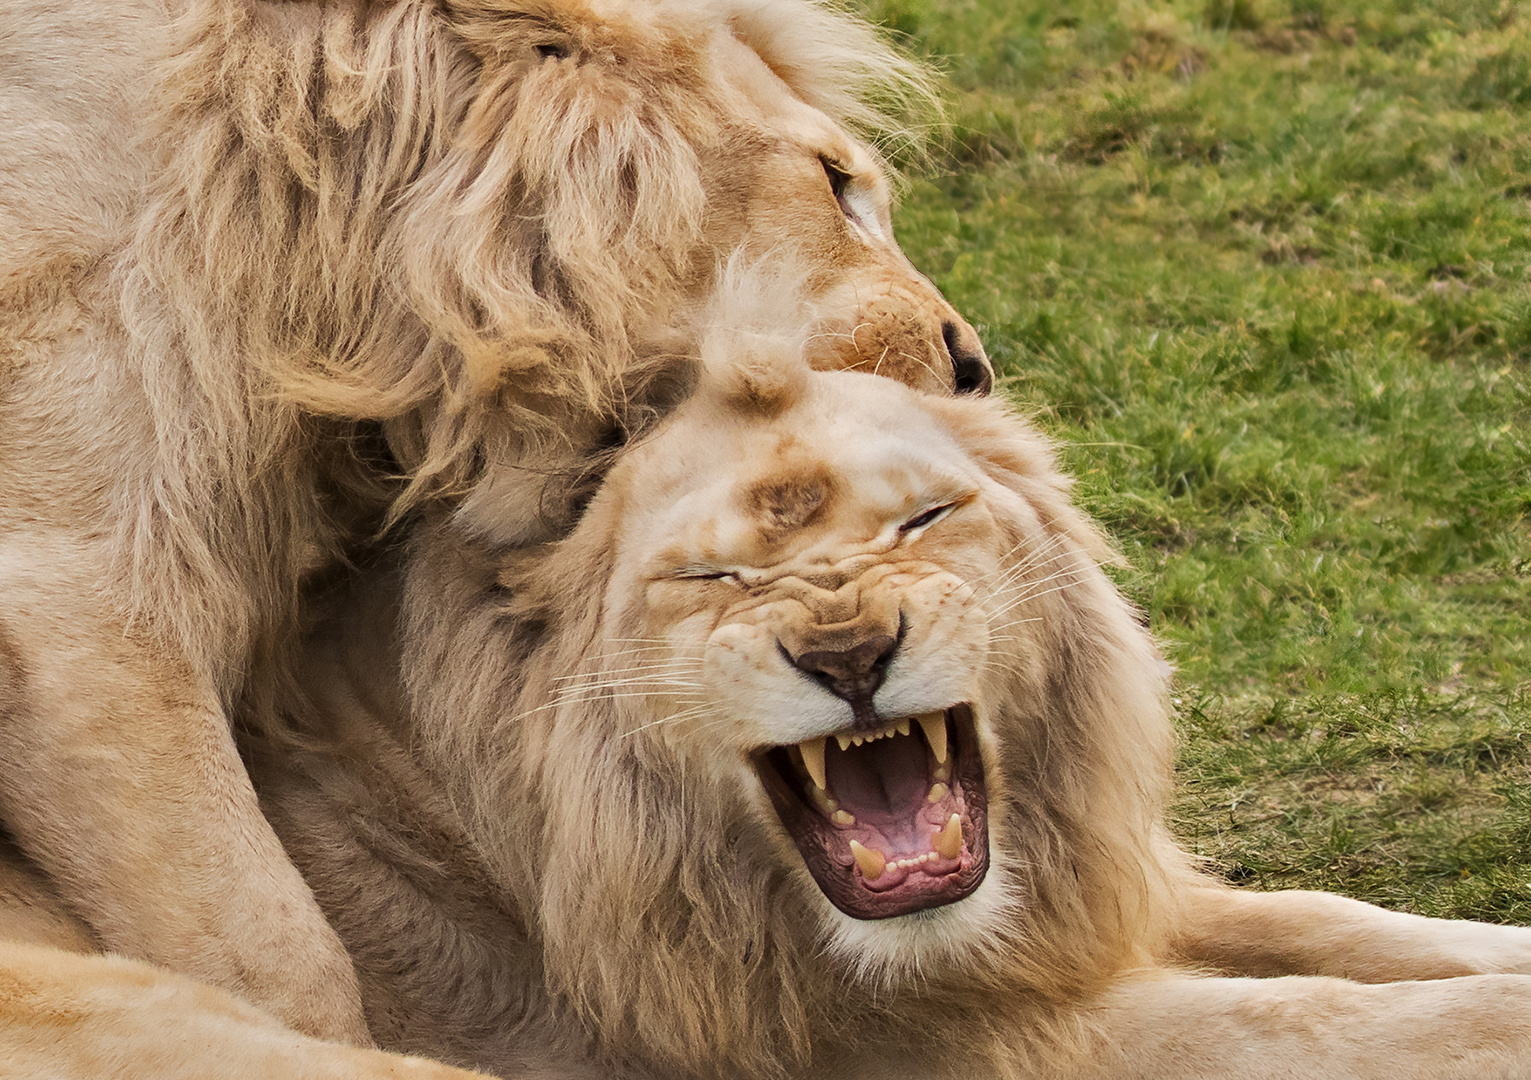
(844, 641)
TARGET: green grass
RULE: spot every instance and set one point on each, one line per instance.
(1265, 269)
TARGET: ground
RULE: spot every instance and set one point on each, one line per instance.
(1264, 268)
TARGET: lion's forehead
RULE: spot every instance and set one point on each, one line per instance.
(802, 514)
(838, 475)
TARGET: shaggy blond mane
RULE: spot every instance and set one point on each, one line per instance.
(396, 215)
(286, 274)
(526, 786)
(555, 771)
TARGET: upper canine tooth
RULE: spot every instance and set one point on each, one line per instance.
(870, 861)
(933, 724)
(813, 760)
(948, 842)
(844, 741)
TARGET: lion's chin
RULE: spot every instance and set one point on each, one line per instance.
(889, 820)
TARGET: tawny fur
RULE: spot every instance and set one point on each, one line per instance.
(276, 274)
(68, 1015)
(544, 845)
(518, 781)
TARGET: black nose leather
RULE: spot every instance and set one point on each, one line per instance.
(853, 674)
(970, 367)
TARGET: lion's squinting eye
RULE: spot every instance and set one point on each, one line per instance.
(706, 573)
(928, 517)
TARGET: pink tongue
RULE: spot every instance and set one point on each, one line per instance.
(883, 784)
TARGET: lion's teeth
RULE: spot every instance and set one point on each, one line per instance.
(948, 842)
(822, 800)
(844, 741)
(903, 726)
(937, 792)
(843, 817)
(943, 772)
(869, 861)
(933, 724)
(813, 761)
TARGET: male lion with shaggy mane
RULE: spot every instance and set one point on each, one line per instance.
(260, 260)
(822, 747)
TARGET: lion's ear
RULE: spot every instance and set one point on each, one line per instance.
(761, 377)
(752, 338)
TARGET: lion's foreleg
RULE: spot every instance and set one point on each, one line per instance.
(1314, 933)
(120, 779)
(95, 1017)
(1177, 1027)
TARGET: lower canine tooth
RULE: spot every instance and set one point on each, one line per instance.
(822, 800)
(933, 724)
(871, 863)
(813, 760)
(948, 842)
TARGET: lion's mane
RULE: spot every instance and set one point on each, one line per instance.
(398, 216)
(524, 784)
(478, 223)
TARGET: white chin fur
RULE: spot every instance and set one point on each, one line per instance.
(891, 951)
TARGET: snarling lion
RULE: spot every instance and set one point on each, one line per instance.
(821, 748)
(274, 274)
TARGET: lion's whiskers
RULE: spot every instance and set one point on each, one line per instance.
(595, 691)
(923, 364)
(851, 337)
(655, 670)
(656, 647)
(1068, 582)
(1021, 592)
(1007, 578)
(1055, 550)
(701, 709)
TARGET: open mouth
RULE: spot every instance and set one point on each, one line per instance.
(889, 820)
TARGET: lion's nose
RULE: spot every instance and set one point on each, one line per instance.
(970, 364)
(853, 674)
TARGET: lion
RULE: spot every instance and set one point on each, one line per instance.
(821, 747)
(277, 275)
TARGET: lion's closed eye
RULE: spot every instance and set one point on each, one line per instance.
(928, 517)
(706, 573)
